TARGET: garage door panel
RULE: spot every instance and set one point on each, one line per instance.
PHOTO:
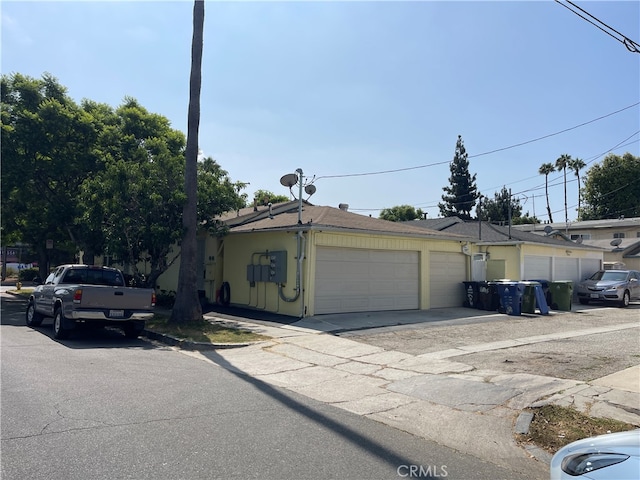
(537, 267)
(359, 280)
(447, 271)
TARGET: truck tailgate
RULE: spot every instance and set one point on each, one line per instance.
(122, 298)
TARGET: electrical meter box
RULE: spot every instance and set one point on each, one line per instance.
(277, 267)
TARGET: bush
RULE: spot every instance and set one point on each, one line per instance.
(165, 298)
(28, 274)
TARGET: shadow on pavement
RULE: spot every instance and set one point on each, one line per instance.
(370, 445)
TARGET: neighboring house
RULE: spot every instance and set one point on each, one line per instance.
(501, 252)
(324, 260)
(619, 237)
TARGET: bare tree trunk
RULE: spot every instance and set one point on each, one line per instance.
(546, 191)
(187, 305)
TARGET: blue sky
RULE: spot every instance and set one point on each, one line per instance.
(344, 88)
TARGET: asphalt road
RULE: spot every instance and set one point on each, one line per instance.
(101, 406)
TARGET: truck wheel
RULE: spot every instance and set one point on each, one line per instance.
(59, 330)
(626, 298)
(133, 330)
(33, 318)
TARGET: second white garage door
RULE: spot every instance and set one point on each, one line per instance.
(447, 271)
(360, 280)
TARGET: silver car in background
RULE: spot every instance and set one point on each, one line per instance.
(619, 286)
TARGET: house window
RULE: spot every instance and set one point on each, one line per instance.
(583, 236)
(618, 235)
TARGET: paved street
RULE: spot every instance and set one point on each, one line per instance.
(100, 406)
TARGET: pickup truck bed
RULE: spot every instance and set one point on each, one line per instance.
(83, 294)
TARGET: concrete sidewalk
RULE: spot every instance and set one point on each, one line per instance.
(430, 395)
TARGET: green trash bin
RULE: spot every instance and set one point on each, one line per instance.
(561, 295)
(529, 297)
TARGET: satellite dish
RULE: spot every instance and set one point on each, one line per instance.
(548, 229)
(579, 240)
(289, 180)
(615, 242)
(310, 189)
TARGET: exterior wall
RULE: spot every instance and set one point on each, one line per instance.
(509, 260)
(240, 250)
(423, 246)
(503, 259)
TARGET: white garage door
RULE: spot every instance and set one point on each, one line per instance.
(536, 267)
(447, 271)
(359, 280)
(566, 269)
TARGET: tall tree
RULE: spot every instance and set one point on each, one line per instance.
(187, 305)
(401, 213)
(546, 169)
(47, 152)
(577, 164)
(137, 200)
(612, 188)
(561, 165)
(461, 194)
(497, 209)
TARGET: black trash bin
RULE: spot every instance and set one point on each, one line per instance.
(472, 295)
(489, 296)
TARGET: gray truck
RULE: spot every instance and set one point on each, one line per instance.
(91, 295)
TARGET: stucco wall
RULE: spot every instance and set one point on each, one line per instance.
(240, 250)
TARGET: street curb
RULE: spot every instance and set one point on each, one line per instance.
(521, 427)
(189, 345)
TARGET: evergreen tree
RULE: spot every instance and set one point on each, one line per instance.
(497, 209)
(461, 194)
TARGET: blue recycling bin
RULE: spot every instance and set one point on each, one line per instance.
(510, 297)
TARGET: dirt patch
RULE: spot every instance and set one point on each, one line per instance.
(553, 427)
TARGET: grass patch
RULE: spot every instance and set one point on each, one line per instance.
(23, 292)
(553, 427)
(202, 331)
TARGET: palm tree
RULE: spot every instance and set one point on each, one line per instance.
(546, 169)
(187, 304)
(576, 164)
(561, 165)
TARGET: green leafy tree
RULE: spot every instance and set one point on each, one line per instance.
(577, 164)
(136, 201)
(47, 152)
(546, 169)
(187, 305)
(561, 165)
(264, 197)
(461, 194)
(401, 213)
(497, 209)
(216, 194)
(612, 188)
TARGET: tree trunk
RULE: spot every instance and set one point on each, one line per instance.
(187, 305)
(566, 210)
(546, 191)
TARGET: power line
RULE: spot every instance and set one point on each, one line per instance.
(554, 183)
(626, 41)
(478, 154)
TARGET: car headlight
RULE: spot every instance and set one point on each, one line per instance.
(582, 463)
